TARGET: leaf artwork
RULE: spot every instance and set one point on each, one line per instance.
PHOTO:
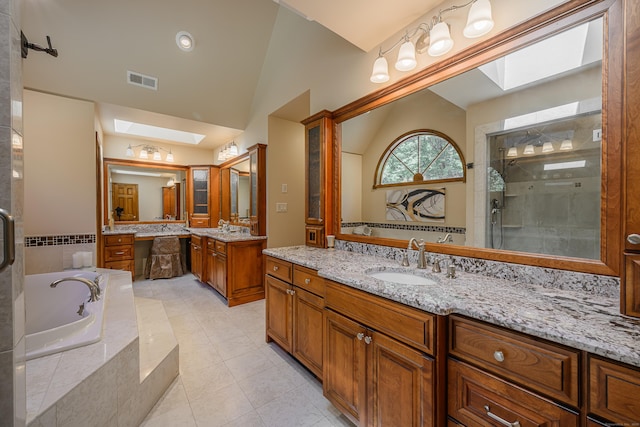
(416, 205)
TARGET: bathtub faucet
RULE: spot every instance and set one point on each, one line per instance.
(93, 287)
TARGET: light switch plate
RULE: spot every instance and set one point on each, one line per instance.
(284, 188)
(281, 207)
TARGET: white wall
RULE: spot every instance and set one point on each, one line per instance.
(351, 206)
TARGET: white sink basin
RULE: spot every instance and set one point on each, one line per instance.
(399, 277)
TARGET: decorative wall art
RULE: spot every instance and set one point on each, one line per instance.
(417, 205)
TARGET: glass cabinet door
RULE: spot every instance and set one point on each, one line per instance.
(200, 191)
(314, 174)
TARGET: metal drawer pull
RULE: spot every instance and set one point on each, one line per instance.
(498, 355)
(119, 253)
(634, 239)
(307, 281)
(360, 336)
(367, 339)
(275, 268)
(500, 420)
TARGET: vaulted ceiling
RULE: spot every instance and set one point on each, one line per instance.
(209, 90)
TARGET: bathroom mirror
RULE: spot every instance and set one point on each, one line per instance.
(235, 196)
(535, 115)
(140, 192)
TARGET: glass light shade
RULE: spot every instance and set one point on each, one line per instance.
(547, 147)
(380, 72)
(512, 152)
(157, 156)
(170, 157)
(406, 57)
(220, 156)
(528, 149)
(479, 21)
(129, 151)
(233, 150)
(440, 39)
(566, 145)
(143, 154)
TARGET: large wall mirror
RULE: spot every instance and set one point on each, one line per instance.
(142, 192)
(235, 194)
(535, 114)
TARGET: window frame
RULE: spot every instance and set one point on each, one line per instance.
(377, 178)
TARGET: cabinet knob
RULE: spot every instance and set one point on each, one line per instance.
(500, 420)
(498, 355)
(360, 336)
(119, 240)
(634, 239)
(275, 268)
(367, 339)
(307, 281)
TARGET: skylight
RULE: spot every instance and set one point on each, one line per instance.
(547, 58)
(148, 131)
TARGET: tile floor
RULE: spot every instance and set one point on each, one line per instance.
(229, 375)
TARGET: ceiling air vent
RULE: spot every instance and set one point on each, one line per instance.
(138, 79)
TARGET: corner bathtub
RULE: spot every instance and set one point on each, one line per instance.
(53, 323)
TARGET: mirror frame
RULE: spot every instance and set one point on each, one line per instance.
(553, 21)
(145, 165)
(229, 164)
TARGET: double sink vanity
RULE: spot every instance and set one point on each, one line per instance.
(468, 350)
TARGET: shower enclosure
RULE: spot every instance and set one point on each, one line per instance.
(543, 187)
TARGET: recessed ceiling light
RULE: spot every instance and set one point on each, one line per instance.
(185, 41)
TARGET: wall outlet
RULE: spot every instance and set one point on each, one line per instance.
(281, 207)
(284, 188)
(597, 135)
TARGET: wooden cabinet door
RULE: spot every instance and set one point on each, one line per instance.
(210, 271)
(400, 384)
(307, 329)
(279, 312)
(220, 274)
(630, 287)
(344, 366)
(196, 260)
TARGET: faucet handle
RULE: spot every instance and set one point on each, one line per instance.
(436, 266)
(405, 260)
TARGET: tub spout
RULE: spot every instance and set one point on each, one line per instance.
(93, 287)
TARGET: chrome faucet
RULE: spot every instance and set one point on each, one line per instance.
(422, 255)
(446, 238)
(93, 287)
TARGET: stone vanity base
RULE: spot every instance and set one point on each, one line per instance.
(114, 382)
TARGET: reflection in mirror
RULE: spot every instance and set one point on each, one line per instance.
(141, 192)
(236, 199)
(529, 124)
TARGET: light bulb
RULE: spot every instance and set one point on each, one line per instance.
(513, 152)
(547, 147)
(528, 149)
(157, 156)
(129, 151)
(479, 21)
(441, 41)
(380, 72)
(170, 156)
(406, 57)
(566, 145)
(143, 154)
(185, 41)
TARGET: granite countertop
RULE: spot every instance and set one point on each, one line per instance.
(215, 233)
(581, 320)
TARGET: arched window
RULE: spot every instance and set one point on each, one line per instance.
(420, 156)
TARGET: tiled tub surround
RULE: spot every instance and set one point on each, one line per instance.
(55, 252)
(582, 313)
(115, 381)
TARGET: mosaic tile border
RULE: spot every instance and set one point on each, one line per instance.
(411, 227)
(60, 240)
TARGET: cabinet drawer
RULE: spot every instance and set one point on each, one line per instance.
(544, 367)
(118, 239)
(117, 253)
(221, 247)
(476, 398)
(199, 222)
(280, 269)
(196, 240)
(126, 265)
(411, 326)
(308, 279)
(614, 391)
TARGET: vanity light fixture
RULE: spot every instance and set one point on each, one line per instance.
(434, 37)
(512, 152)
(528, 149)
(547, 147)
(147, 151)
(229, 151)
(185, 41)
